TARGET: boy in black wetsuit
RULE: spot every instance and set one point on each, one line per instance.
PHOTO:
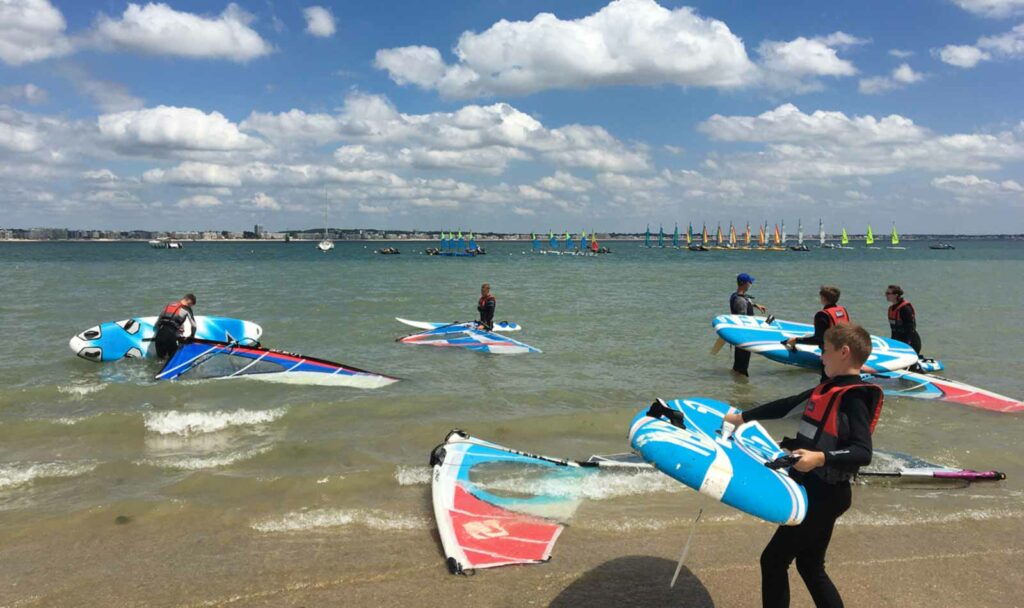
(176, 324)
(833, 442)
(741, 304)
(830, 315)
(485, 307)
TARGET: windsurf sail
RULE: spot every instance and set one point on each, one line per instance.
(746, 236)
(704, 240)
(845, 239)
(207, 359)
(783, 233)
(732, 235)
(498, 326)
(718, 236)
(775, 236)
(469, 337)
(905, 383)
(761, 238)
(904, 466)
(869, 238)
(894, 238)
(482, 527)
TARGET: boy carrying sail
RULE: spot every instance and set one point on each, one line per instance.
(832, 443)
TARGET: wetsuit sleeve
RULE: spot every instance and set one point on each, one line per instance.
(776, 409)
(857, 452)
(908, 318)
(821, 324)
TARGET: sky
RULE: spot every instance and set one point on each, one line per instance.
(512, 115)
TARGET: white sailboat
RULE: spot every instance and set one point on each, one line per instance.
(799, 237)
(821, 237)
(326, 244)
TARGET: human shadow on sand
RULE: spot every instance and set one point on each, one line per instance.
(636, 580)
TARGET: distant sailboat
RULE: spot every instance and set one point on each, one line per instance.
(844, 240)
(732, 236)
(746, 237)
(647, 236)
(894, 239)
(661, 236)
(675, 236)
(821, 237)
(869, 239)
(762, 238)
(326, 244)
(799, 238)
(776, 240)
(719, 238)
(783, 233)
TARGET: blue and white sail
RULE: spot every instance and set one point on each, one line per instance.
(471, 338)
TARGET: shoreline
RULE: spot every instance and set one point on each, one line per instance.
(915, 238)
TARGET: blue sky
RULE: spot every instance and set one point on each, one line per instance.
(520, 115)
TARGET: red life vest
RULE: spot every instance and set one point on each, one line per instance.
(819, 424)
(174, 314)
(894, 313)
(836, 315)
(484, 300)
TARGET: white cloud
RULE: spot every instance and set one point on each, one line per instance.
(1009, 45)
(962, 56)
(900, 77)
(264, 201)
(195, 174)
(901, 54)
(158, 29)
(31, 30)
(199, 201)
(798, 63)
(992, 8)
(28, 93)
(480, 138)
(524, 211)
(626, 42)
(562, 181)
(319, 21)
(826, 146)
(108, 96)
(972, 185)
(171, 128)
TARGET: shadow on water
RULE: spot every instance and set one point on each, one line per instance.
(636, 580)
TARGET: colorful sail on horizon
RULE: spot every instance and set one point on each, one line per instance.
(762, 237)
(845, 239)
(732, 235)
(895, 238)
(675, 236)
(689, 234)
(704, 235)
(718, 236)
(869, 238)
(746, 236)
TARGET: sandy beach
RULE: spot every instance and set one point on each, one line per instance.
(146, 562)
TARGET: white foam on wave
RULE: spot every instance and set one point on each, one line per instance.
(909, 517)
(80, 390)
(20, 473)
(193, 423)
(314, 519)
(196, 463)
(590, 486)
(413, 475)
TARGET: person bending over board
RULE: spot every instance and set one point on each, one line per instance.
(485, 307)
(830, 315)
(741, 304)
(176, 324)
(902, 318)
(832, 443)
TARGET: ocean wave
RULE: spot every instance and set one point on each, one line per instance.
(588, 485)
(333, 518)
(907, 517)
(15, 474)
(413, 475)
(196, 463)
(80, 390)
(192, 423)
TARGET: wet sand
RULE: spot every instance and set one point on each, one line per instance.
(155, 560)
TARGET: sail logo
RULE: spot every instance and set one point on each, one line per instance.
(484, 529)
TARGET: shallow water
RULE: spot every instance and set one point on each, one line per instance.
(616, 331)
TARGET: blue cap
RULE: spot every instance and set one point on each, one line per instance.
(744, 278)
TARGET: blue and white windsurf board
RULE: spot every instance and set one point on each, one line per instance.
(502, 326)
(730, 470)
(133, 338)
(758, 336)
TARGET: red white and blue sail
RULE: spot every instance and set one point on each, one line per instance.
(204, 359)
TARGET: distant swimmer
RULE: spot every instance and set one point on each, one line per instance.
(742, 304)
(485, 307)
(176, 324)
(830, 315)
(902, 318)
(832, 443)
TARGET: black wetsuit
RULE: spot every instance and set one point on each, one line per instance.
(903, 323)
(822, 323)
(808, 542)
(740, 304)
(485, 308)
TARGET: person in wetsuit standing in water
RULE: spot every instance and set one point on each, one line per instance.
(176, 324)
(742, 304)
(485, 307)
(902, 319)
(830, 315)
(832, 443)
